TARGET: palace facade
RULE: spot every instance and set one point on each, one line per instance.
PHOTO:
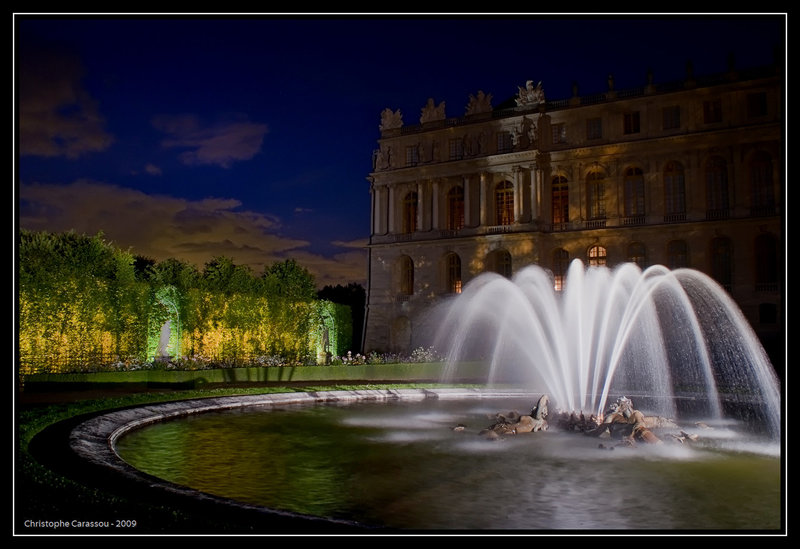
(682, 174)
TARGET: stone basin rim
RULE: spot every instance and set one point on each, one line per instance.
(94, 440)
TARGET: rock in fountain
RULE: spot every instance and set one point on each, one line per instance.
(668, 337)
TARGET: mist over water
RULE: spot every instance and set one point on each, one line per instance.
(671, 337)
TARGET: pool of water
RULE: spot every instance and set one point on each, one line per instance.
(402, 465)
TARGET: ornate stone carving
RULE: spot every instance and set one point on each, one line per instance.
(391, 120)
(431, 112)
(480, 104)
(530, 95)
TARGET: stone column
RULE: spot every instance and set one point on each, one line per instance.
(391, 208)
(467, 201)
(484, 209)
(421, 206)
(435, 204)
(516, 171)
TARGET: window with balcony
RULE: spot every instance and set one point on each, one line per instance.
(504, 203)
(717, 200)
(455, 208)
(762, 191)
(560, 268)
(410, 209)
(634, 195)
(722, 261)
(674, 192)
(560, 194)
(596, 195)
(559, 133)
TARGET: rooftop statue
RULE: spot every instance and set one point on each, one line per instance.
(390, 120)
(431, 112)
(480, 104)
(530, 95)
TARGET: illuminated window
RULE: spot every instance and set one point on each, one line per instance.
(677, 254)
(560, 267)
(455, 208)
(410, 213)
(674, 189)
(637, 254)
(634, 192)
(560, 193)
(453, 274)
(597, 256)
(504, 203)
(596, 195)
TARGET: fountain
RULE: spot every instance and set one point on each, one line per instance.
(670, 337)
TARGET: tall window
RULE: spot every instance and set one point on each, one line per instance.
(631, 122)
(596, 195)
(499, 261)
(410, 213)
(456, 149)
(559, 133)
(412, 155)
(671, 117)
(756, 104)
(504, 203)
(712, 111)
(674, 191)
(406, 276)
(560, 267)
(637, 254)
(634, 192)
(677, 254)
(455, 208)
(761, 189)
(717, 189)
(597, 256)
(453, 273)
(722, 261)
(504, 142)
(594, 128)
(766, 248)
(560, 192)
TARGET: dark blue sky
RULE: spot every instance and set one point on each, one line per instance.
(251, 136)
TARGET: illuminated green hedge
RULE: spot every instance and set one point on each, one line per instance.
(85, 305)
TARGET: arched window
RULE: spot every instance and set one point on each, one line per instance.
(406, 276)
(637, 253)
(410, 213)
(596, 195)
(634, 192)
(717, 201)
(766, 258)
(762, 192)
(597, 256)
(722, 261)
(560, 200)
(504, 203)
(674, 192)
(453, 273)
(455, 208)
(677, 254)
(560, 267)
(499, 261)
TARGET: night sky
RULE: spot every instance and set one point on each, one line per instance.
(251, 136)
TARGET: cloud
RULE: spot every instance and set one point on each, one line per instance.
(152, 169)
(220, 144)
(57, 116)
(162, 227)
